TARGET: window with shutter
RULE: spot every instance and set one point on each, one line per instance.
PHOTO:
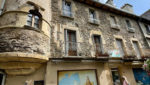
(97, 42)
(70, 43)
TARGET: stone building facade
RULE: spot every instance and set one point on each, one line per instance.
(64, 42)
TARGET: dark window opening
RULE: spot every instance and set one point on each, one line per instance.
(1, 78)
(39, 82)
(70, 43)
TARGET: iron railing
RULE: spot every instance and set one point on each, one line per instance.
(78, 49)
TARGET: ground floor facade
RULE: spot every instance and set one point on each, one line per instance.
(79, 73)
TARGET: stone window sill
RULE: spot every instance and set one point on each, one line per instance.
(116, 27)
(93, 22)
(131, 30)
(66, 16)
(32, 28)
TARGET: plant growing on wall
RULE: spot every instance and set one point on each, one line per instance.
(146, 66)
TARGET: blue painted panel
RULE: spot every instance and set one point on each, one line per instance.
(141, 76)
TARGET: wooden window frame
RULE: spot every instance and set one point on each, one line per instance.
(66, 42)
(101, 45)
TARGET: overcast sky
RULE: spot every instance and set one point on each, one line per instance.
(139, 6)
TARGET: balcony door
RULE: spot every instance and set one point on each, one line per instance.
(70, 43)
(97, 43)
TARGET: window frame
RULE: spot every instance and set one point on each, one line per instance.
(122, 46)
(139, 48)
(94, 19)
(114, 19)
(32, 16)
(4, 77)
(128, 24)
(118, 73)
(147, 27)
(100, 42)
(66, 10)
(67, 44)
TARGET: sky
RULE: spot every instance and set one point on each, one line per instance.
(139, 6)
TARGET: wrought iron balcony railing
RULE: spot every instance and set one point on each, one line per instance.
(78, 49)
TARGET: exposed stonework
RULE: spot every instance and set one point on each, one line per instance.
(23, 40)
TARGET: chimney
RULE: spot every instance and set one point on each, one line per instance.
(110, 2)
(128, 8)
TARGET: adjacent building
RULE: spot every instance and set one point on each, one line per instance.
(71, 42)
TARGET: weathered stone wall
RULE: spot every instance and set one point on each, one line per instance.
(21, 80)
(23, 40)
(20, 44)
(80, 22)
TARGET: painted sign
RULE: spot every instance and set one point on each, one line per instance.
(81, 77)
(114, 53)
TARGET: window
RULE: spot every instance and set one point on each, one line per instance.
(70, 43)
(128, 24)
(2, 2)
(116, 76)
(1, 78)
(39, 82)
(137, 49)
(147, 28)
(113, 20)
(67, 8)
(98, 45)
(92, 16)
(33, 19)
(120, 47)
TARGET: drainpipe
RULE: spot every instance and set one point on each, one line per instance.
(138, 22)
(2, 6)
